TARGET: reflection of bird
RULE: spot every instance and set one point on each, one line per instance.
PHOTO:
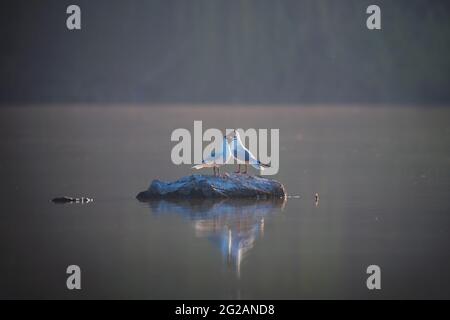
(216, 159)
(243, 155)
(232, 225)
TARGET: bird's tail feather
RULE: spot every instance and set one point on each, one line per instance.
(199, 166)
(259, 165)
(264, 165)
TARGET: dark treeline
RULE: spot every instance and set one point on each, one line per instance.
(260, 51)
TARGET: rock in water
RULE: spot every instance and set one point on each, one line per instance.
(203, 186)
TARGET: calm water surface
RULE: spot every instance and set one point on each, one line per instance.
(382, 175)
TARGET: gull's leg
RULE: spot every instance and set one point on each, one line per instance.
(246, 166)
(214, 169)
(239, 169)
(218, 171)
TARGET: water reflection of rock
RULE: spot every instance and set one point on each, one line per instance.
(232, 225)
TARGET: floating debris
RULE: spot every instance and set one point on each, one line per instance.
(66, 199)
(316, 199)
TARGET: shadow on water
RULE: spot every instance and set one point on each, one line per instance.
(232, 225)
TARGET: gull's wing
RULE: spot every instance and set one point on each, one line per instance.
(241, 153)
(244, 154)
(228, 153)
(209, 161)
(214, 157)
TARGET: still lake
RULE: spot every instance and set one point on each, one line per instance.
(382, 173)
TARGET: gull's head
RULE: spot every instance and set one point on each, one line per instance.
(229, 136)
(236, 134)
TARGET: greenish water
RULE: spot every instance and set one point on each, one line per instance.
(382, 175)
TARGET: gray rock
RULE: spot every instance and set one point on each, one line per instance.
(205, 186)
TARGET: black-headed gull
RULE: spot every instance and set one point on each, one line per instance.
(217, 158)
(243, 155)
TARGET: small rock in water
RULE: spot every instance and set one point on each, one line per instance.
(66, 199)
(203, 186)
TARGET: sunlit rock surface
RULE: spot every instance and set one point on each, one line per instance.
(208, 186)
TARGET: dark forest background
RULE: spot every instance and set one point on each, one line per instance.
(207, 51)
